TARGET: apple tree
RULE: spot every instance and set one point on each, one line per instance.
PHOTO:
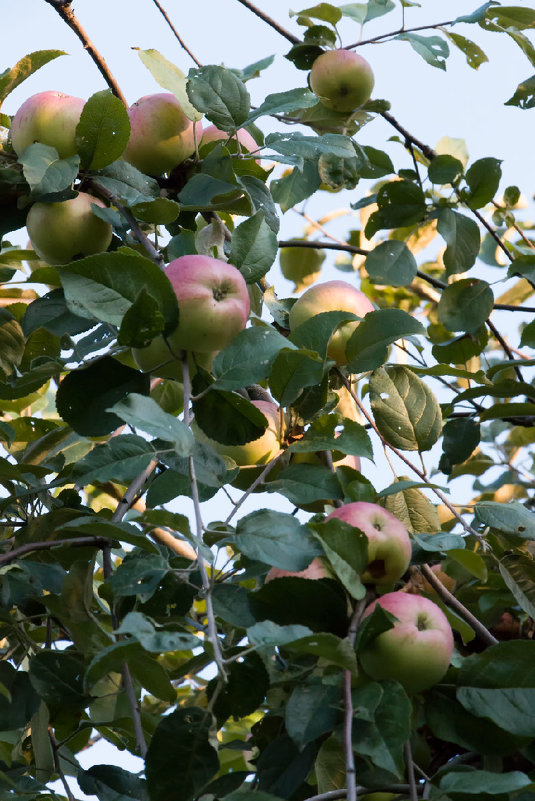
(271, 547)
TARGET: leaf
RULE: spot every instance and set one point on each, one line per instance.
(353, 439)
(433, 49)
(140, 411)
(507, 708)
(244, 691)
(276, 539)
(219, 94)
(311, 710)
(104, 287)
(49, 177)
(103, 131)
(57, 676)
(254, 248)
(475, 56)
(142, 322)
(324, 11)
(282, 102)
(84, 396)
(305, 483)
(171, 78)
(161, 211)
(381, 724)
(311, 147)
(248, 358)
(524, 96)
(346, 548)
(415, 511)
(12, 342)
(445, 169)
(462, 238)
(400, 204)
(330, 765)
(339, 173)
(18, 701)
(476, 16)
(292, 371)
(483, 178)
(367, 347)
(50, 312)
(479, 782)
(120, 459)
(511, 16)
(465, 305)
(297, 186)
(518, 572)
(156, 640)
(510, 518)
(268, 634)
(26, 66)
(405, 410)
(391, 263)
(228, 418)
(112, 783)
(461, 437)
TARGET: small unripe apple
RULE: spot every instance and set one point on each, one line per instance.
(61, 232)
(332, 296)
(159, 359)
(49, 118)
(342, 80)
(258, 451)
(389, 545)
(417, 650)
(213, 303)
(315, 570)
(161, 136)
(213, 134)
(301, 265)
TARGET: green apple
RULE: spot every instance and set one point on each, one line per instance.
(342, 80)
(160, 358)
(161, 136)
(417, 651)
(62, 232)
(301, 265)
(389, 545)
(258, 451)
(49, 118)
(332, 296)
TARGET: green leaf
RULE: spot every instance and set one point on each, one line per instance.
(524, 96)
(18, 701)
(479, 782)
(203, 192)
(276, 539)
(311, 147)
(311, 710)
(156, 640)
(324, 11)
(112, 783)
(339, 173)
(248, 358)
(483, 178)
(120, 459)
(50, 312)
(445, 169)
(104, 287)
(244, 691)
(103, 131)
(512, 16)
(305, 483)
(367, 347)
(405, 410)
(12, 342)
(476, 16)
(294, 370)
(391, 263)
(254, 248)
(138, 574)
(415, 511)
(379, 164)
(381, 725)
(461, 437)
(465, 305)
(171, 78)
(161, 211)
(433, 49)
(330, 765)
(475, 56)
(26, 66)
(140, 411)
(180, 755)
(142, 322)
(401, 203)
(282, 102)
(518, 572)
(49, 177)
(231, 603)
(328, 648)
(353, 439)
(528, 335)
(57, 676)
(511, 518)
(228, 418)
(315, 334)
(297, 186)
(268, 634)
(220, 95)
(85, 395)
(462, 238)
(261, 199)
(346, 547)
(254, 70)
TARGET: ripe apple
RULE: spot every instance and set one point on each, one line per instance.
(301, 265)
(417, 651)
(61, 232)
(161, 136)
(258, 451)
(49, 118)
(213, 303)
(332, 296)
(316, 570)
(213, 134)
(342, 80)
(389, 545)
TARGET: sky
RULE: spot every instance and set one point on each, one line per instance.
(459, 102)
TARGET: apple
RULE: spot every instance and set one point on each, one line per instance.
(342, 80)
(49, 118)
(258, 451)
(332, 296)
(61, 232)
(160, 359)
(389, 545)
(213, 303)
(213, 134)
(301, 265)
(161, 136)
(315, 570)
(417, 651)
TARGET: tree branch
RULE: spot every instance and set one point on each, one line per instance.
(29, 547)
(334, 795)
(450, 600)
(397, 33)
(258, 480)
(132, 490)
(271, 22)
(57, 766)
(181, 42)
(67, 15)
(413, 787)
(351, 779)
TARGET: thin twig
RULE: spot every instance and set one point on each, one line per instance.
(132, 490)
(136, 229)
(413, 787)
(181, 42)
(258, 480)
(295, 243)
(271, 22)
(67, 15)
(57, 766)
(397, 33)
(29, 547)
(136, 712)
(457, 606)
(428, 152)
(351, 779)
(506, 348)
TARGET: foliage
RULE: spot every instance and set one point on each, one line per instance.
(125, 620)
